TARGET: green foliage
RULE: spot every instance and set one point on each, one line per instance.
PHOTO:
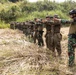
(4, 25)
(14, 0)
(10, 15)
(37, 14)
(23, 10)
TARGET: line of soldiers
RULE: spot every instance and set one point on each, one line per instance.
(26, 27)
(53, 37)
(71, 36)
(34, 29)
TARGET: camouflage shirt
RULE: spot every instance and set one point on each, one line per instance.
(72, 28)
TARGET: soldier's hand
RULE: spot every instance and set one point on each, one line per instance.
(56, 19)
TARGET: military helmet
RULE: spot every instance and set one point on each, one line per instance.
(35, 19)
(72, 12)
(48, 16)
(56, 16)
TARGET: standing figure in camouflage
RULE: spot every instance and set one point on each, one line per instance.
(71, 35)
(35, 30)
(40, 34)
(32, 28)
(12, 25)
(57, 37)
(48, 34)
(38, 29)
(53, 35)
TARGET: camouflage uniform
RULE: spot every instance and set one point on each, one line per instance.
(53, 37)
(29, 29)
(71, 49)
(12, 25)
(48, 35)
(40, 38)
(38, 32)
(35, 32)
(40, 35)
(25, 26)
(57, 37)
(32, 31)
(71, 41)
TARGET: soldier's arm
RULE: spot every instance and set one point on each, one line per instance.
(63, 21)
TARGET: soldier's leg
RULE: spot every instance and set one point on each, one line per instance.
(35, 37)
(71, 51)
(58, 47)
(42, 42)
(53, 50)
(39, 38)
(32, 34)
(58, 38)
(51, 44)
(46, 40)
(39, 42)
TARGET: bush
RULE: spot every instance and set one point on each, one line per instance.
(37, 14)
(3, 25)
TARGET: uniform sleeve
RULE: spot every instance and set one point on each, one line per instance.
(63, 21)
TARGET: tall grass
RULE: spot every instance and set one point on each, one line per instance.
(3, 25)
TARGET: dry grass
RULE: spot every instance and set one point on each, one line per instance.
(19, 57)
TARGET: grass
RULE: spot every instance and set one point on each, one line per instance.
(6, 53)
(3, 25)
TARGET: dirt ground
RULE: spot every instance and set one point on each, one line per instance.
(18, 56)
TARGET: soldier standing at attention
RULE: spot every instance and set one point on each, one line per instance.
(71, 35)
(40, 33)
(57, 37)
(35, 30)
(49, 32)
(53, 35)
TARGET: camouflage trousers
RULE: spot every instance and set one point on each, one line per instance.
(57, 43)
(35, 37)
(40, 38)
(71, 49)
(47, 39)
(53, 42)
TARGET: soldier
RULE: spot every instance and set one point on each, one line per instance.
(25, 28)
(48, 34)
(40, 34)
(57, 37)
(12, 25)
(28, 29)
(35, 30)
(17, 25)
(38, 28)
(71, 36)
(32, 28)
(53, 35)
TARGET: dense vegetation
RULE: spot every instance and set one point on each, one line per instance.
(22, 10)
